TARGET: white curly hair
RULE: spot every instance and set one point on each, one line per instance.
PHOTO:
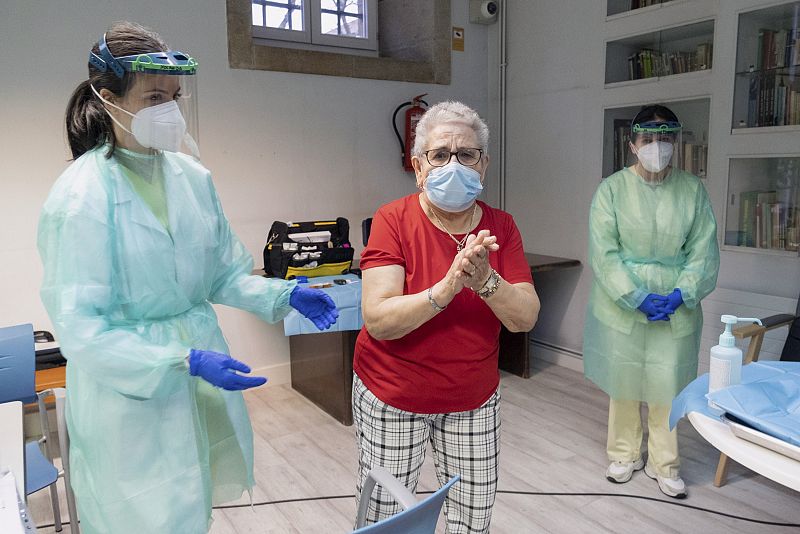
(449, 111)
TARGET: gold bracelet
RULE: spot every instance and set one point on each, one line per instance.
(434, 305)
(490, 286)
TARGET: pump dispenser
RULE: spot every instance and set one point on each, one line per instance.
(726, 358)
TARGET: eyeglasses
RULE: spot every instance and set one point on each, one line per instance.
(439, 157)
(649, 138)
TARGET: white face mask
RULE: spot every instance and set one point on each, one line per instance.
(655, 156)
(161, 127)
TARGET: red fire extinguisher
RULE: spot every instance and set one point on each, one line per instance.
(413, 115)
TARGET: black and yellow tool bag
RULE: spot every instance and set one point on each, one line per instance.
(306, 249)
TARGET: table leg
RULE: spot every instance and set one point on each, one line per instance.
(514, 352)
(722, 470)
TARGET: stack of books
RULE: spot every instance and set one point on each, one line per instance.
(764, 222)
(774, 91)
(648, 63)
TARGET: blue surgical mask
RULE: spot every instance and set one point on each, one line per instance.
(453, 187)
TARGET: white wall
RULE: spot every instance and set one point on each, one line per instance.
(556, 98)
(280, 146)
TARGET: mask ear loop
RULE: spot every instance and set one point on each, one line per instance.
(113, 106)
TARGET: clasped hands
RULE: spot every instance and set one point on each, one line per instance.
(659, 307)
(471, 266)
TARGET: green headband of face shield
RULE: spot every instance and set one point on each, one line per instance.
(169, 62)
(657, 127)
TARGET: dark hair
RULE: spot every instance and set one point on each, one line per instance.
(653, 112)
(88, 124)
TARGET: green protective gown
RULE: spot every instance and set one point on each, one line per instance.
(644, 239)
(151, 446)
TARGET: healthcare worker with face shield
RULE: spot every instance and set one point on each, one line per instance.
(135, 248)
(654, 254)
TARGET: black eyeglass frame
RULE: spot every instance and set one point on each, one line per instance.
(428, 159)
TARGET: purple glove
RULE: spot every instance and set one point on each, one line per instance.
(220, 370)
(653, 307)
(315, 305)
(674, 301)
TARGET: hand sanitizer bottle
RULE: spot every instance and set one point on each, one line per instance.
(726, 358)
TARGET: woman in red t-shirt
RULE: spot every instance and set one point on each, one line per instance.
(441, 272)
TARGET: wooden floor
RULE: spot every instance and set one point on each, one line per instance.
(553, 440)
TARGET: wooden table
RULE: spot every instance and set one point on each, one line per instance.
(515, 346)
(763, 461)
(55, 377)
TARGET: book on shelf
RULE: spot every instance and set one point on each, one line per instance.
(777, 48)
(773, 85)
(765, 222)
(772, 99)
(747, 218)
(763, 235)
(695, 157)
(636, 4)
(648, 63)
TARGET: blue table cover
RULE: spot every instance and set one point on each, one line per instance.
(771, 406)
(768, 398)
(347, 299)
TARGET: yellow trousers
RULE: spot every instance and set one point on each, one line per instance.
(625, 436)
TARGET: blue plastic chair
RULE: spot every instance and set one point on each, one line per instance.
(17, 383)
(417, 517)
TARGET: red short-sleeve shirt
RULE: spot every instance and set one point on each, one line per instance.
(448, 364)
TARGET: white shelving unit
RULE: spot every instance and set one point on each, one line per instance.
(713, 103)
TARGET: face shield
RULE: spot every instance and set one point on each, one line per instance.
(158, 108)
(657, 144)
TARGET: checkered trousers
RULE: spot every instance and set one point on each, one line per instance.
(463, 443)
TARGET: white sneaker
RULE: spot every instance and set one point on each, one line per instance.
(672, 487)
(620, 472)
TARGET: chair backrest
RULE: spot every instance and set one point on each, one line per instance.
(12, 443)
(366, 227)
(791, 349)
(17, 364)
(418, 518)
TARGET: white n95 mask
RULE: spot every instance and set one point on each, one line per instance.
(161, 126)
(655, 156)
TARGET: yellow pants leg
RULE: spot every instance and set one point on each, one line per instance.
(662, 444)
(624, 431)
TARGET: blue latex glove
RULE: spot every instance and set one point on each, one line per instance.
(674, 301)
(220, 370)
(653, 307)
(315, 305)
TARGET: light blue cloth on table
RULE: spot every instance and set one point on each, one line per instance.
(771, 406)
(760, 381)
(347, 299)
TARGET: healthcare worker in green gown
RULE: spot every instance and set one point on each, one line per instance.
(654, 254)
(135, 248)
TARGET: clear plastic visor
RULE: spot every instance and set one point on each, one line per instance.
(161, 114)
(651, 147)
